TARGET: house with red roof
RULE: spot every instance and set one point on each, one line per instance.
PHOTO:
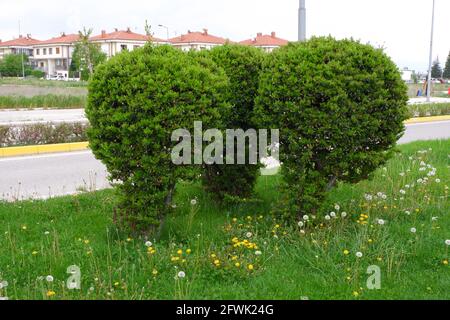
(18, 46)
(197, 41)
(266, 42)
(54, 56)
(115, 42)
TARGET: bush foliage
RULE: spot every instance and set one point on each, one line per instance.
(243, 66)
(136, 100)
(340, 107)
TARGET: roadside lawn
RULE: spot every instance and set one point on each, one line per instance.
(398, 221)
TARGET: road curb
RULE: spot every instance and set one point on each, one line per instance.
(427, 119)
(43, 149)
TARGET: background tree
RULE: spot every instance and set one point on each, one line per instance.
(86, 55)
(446, 74)
(436, 70)
(11, 65)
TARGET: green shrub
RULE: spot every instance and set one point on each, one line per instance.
(136, 100)
(36, 73)
(340, 107)
(243, 65)
(429, 109)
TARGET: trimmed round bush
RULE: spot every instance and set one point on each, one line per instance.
(242, 65)
(136, 100)
(340, 107)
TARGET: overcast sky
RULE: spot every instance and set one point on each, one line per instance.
(401, 26)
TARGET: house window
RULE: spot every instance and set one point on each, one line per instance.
(41, 64)
(50, 51)
(38, 52)
(135, 47)
(123, 47)
(45, 52)
(57, 50)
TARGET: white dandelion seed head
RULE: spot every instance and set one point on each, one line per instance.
(434, 219)
(46, 233)
(194, 202)
(447, 242)
(249, 235)
(301, 224)
(327, 217)
(258, 253)
(148, 244)
(359, 254)
(413, 230)
(408, 213)
(381, 222)
(337, 207)
(333, 214)
(306, 217)
(368, 197)
(49, 278)
(402, 191)
(181, 274)
(438, 180)
(344, 214)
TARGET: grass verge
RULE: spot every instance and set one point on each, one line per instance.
(398, 221)
(42, 82)
(43, 101)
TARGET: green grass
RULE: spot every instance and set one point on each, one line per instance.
(429, 110)
(42, 83)
(437, 89)
(295, 262)
(43, 101)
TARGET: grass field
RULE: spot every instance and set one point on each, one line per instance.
(42, 83)
(437, 89)
(398, 221)
(44, 101)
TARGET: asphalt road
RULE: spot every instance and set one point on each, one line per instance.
(43, 176)
(66, 173)
(18, 117)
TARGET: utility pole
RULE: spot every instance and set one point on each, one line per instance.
(431, 56)
(21, 54)
(302, 21)
(167, 30)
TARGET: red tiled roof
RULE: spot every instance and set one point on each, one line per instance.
(64, 38)
(265, 41)
(124, 35)
(198, 37)
(20, 42)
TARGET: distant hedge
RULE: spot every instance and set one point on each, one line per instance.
(340, 107)
(136, 100)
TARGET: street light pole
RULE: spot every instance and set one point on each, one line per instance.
(302, 21)
(167, 30)
(21, 54)
(431, 56)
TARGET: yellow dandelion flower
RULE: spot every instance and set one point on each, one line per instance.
(155, 272)
(86, 241)
(216, 262)
(213, 255)
(250, 267)
(180, 252)
(235, 220)
(346, 252)
(445, 262)
(24, 227)
(370, 241)
(355, 293)
(116, 284)
(237, 264)
(129, 239)
(51, 293)
(188, 251)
